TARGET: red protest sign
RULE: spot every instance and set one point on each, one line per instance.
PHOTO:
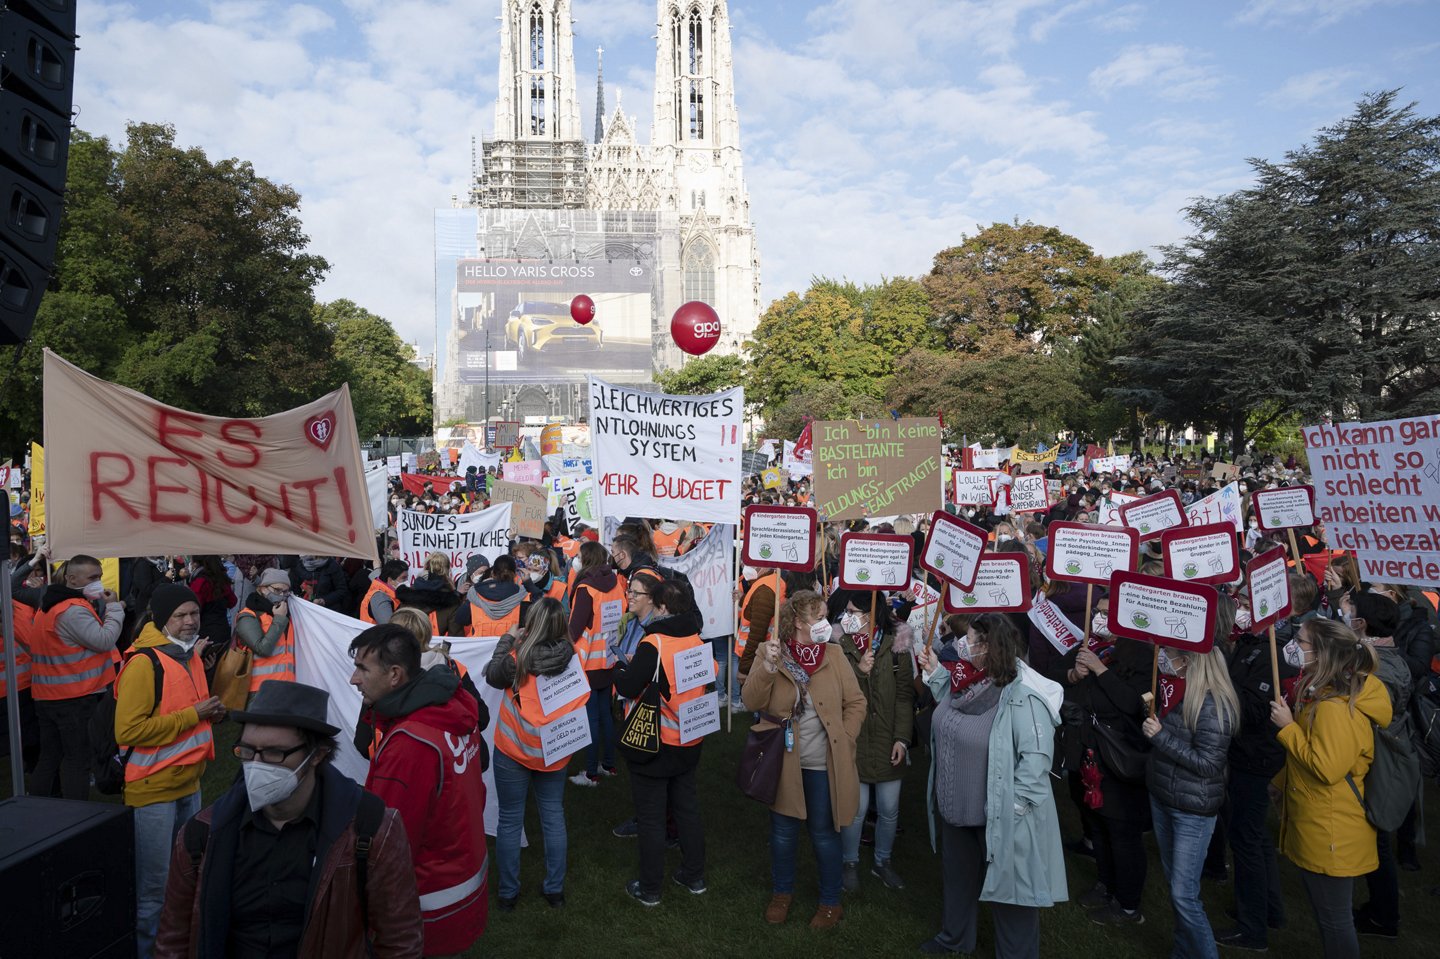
(1163, 611)
(1284, 508)
(1087, 553)
(952, 549)
(1201, 554)
(1002, 585)
(1152, 515)
(779, 536)
(1267, 579)
(875, 561)
(416, 482)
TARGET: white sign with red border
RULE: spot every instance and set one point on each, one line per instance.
(1086, 553)
(1109, 513)
(876, 561)
(1284, 508)
(1268, 579)
(1154, 514)
(779, 536)
(1201, 554)
(952, 549)
(1163, 611)
(972, 487)
(1002, 585)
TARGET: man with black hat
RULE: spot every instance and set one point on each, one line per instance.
(296, 859)
(163, 712)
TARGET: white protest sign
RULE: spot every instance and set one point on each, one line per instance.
(1223, 505)
(457, 535)
(1269, 579)
(677, 457)
(875, 561)
(1046, 617)
(559, 691)
(1084, 553)
(694, 667)
(1377, 489)
(1030, 493)
(952, 548)
(989, 459)
(1002, 585)
(1109, 464)
(576, 494)
(972, 487)
(780, 536)
(377, 487)
(1163, 611)
(1284, 508)
(1201, 554)
(707, 564)
(797, 465)
(565, 736)
(1152, 515)
(392, 465)
(1109, 514)
(611, 611)
(926, 596)
(699, 717)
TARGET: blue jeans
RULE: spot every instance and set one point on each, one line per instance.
(887, 817)
(155, 829)
(820, 822)
(1183, 839)
(726, 682)
(599, 708)
(512, 783)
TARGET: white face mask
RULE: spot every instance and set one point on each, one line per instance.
(184, 644)
(1294, 655)
(536, 576)
(94, 591)
(850, 623)
(1243, 619)
(962, 648)
(820, 632)
(266, 784)
(1167, 665)
(1100, 625)
(750, 573)
(1347, 618)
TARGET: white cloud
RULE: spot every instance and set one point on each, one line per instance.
(1168, 70)
(1315, 13)
(1315, 86)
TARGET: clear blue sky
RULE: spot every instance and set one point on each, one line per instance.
(876, 132)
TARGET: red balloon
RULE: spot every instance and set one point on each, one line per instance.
(582, 309)
(695, 327)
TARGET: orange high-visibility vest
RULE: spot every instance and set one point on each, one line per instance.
(280, 664)
(742, 635)
(518, 733)
(557, 588)
(667, 648)
(568, 546)
(665, 543)
(184, 686)
(1432, 597)
(24, 619)
(483, 624)
(377, 585)
(61, 669)
(593, 646)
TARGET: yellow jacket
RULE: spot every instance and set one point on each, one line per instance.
(134, 726)
(1323, 826)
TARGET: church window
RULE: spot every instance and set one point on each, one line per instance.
(537, 64)
(696, 72)
(699, 264)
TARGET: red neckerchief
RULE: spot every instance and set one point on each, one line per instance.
(963, 675)
(808, 655)
(1172, 691)
(1290, 689)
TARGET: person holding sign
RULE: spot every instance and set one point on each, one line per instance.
(758, 604)
(1189, 746)
(666, 659)
(999, 833)
(596, 606)
(541, 650)
(801, 680)
(1329, 747)
(879, 652)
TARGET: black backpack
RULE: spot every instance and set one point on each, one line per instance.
(107, 761)
(1425, 724)
(681, 580)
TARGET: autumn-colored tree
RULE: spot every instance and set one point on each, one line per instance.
(704, 374)
(389, 393)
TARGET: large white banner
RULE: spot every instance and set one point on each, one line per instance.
(377, 486)
(457, 535)
(671, 457)
(322, 659)
(708, 564)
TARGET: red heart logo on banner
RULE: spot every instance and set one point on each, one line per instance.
(320, 430)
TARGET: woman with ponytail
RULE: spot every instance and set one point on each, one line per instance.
(1329, 747)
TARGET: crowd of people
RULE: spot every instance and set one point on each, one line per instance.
(295, 859)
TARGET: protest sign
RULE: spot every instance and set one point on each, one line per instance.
(527, 472)
(1030, 494)
(772, 478)
(377, 489)
(392, 465)
(1201, 554)
(779, 536)
(507, 435)
(1285, 508)
(440, 483)
(1223, 505)
(1017, 455)
(1109, 513)
(984, 459)
(1377, 489)
(37, 490)
(1109, 464)
(875, 560)
(457, 535)
(528, 512)
(1268, 578)
(676, 457)
(1051, 623)
(973, 487)
(576, 495)
(1002, 585)
(709, 566)
(1154, 514)
(1224, 472)
(551, 439)
(952, 549)
(558, 691)
(1163, 611)
(925, 596)
(795, 461)
(699, 717)
(754, 462)
(1086, 553)
(877, 467)
(135, 477)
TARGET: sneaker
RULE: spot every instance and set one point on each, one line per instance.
(1080, 847)
(1098, 897)
(827, 917)
(641, 896)
(850, 876)
(607, 771)
(1365, 926)
(1113, 915)
(582, 778)
(628, 829)
(1221, 875)
(696, 886)
(555, 899)
(1409, 860)
(934, 947)
(507, 905)
(888, 876)
(1235, 939)
(777, 910)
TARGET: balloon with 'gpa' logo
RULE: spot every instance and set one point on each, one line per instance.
(582, 309)
(695, 327)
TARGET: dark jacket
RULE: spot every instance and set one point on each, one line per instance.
(1253, 747)
(889, 704)
(432, 596)
(195, 921)
(1187, 769)
(1044, 658)
(1114, 698)
(327, 583)
(632, 678)
(1415, 638)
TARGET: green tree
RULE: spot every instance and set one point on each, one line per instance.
(821, 401)
(801, 342)
(704, 374)
(390, 394)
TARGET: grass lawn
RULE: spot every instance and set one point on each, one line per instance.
(600, 918)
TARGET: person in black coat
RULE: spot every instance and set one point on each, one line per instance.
(320, 580)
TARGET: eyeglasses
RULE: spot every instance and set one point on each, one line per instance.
(635, 592)
(272, 756)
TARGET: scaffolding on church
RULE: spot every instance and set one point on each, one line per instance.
(531, 175)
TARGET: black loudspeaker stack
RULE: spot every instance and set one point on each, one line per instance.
(37, 80)
(67, 879)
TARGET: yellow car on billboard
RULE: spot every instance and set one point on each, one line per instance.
(539, 328)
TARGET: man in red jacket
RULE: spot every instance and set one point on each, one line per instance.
(426, 766)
